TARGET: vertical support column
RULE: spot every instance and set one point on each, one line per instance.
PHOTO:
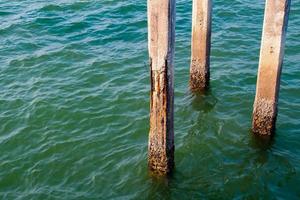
(201, 37)
(161, 39)
(271, 57)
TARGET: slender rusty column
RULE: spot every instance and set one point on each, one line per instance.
(270, 63)
(201, 37)
(161, 39)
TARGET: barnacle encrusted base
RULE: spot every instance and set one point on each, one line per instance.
(199, 76)
(264, 117)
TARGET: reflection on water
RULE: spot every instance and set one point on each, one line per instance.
(260, 142)
(204, 101)
(160, 186)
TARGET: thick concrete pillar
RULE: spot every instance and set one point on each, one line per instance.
(271, 57)
(201, 37)
(161, 39)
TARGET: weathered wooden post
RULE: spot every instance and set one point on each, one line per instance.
(201, 37)
(161, 39)
(271, 57)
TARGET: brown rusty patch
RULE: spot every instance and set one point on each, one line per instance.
(264, 117)
(199, 76)
(161, 145)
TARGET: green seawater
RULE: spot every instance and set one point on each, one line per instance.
(74, 105)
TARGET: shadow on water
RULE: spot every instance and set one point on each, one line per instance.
(160, 186)
(263, 143)
(203, 101)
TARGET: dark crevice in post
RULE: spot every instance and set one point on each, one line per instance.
(151, 84)
(169, 122)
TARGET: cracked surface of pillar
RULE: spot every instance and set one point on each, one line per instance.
(161, 39)
(270, 65)
(201, 39)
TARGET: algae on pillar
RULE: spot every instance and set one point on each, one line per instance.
(201, 39)
(161, 39)
(270, 63)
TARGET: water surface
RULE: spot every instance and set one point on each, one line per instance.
(74, 105)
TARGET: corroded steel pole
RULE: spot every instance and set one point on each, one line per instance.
(201, 37)
(161, 39)
(270, 63)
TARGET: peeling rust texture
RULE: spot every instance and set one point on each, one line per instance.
(161, 39)
(264, 117)
(199, 76)
(161, 136)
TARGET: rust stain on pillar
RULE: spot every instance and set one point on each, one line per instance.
(270, 64)
(201, 39)
(161, 39)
